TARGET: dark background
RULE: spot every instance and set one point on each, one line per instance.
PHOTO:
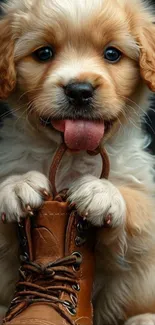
(149, 124)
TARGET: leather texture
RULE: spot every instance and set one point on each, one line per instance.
(51, 236)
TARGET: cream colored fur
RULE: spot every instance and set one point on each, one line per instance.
(125, 271)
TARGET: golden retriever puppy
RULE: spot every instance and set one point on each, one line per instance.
(81, 70)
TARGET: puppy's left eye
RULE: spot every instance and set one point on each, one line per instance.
(112, 54)
(44, 54)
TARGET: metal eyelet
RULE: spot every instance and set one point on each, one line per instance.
(76, 287)
(79, 241)
(79, 227)
(24, 242)
(82, 226)
(78, 262)
(67, 303)
(73, 299)
(14, 300)
(69, 307)
(72, 311)
(24, 258)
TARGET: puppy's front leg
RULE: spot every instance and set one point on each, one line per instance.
(126, 209)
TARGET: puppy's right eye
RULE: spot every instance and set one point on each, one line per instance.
(44, 54)
(112, 55)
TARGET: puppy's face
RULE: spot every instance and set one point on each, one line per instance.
(77, 66)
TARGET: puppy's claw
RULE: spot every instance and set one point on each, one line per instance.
(108, 221)
(29, 210)
(31, 213)
(84, 216)
(3, 217)
(72, 205)
(45, 194)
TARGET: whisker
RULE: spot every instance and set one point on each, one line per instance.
(145, 117)
(9, 112)
(29, 92)
(133, 102)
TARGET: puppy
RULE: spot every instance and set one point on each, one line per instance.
(82, 69)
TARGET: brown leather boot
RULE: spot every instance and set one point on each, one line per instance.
(56, 274)
(57, 270)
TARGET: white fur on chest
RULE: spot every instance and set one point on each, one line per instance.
(20, 152)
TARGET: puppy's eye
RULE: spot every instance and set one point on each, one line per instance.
(44, 54)
(112, 54)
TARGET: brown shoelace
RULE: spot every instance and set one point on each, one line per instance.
(53, 279)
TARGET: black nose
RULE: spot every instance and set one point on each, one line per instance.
(79, 93)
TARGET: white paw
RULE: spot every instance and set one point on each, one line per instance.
(145, 319)
(19, 195)
(99, 200)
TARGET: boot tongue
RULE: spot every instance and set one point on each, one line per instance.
(48, 232)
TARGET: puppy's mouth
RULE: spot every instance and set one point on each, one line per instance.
(80, 134)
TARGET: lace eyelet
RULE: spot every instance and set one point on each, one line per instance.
(79, 241)
(72, 311)
(14, 300)
(23, 242)
(24, 258)
(76, 287)
(82, 226)
(78, 262)
(69, 307)
(73, 299)
(67, 303)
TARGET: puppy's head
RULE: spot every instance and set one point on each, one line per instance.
(77, 67)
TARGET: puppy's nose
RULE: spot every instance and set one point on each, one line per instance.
(79, 93)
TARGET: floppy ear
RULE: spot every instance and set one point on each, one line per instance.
(147, 55)
(7, 67)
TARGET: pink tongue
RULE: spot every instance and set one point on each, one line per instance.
(80, 135)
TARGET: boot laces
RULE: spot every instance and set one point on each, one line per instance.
(45, 284)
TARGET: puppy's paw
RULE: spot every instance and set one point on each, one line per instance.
(98, 200)
(19, 195)
(145, 319)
